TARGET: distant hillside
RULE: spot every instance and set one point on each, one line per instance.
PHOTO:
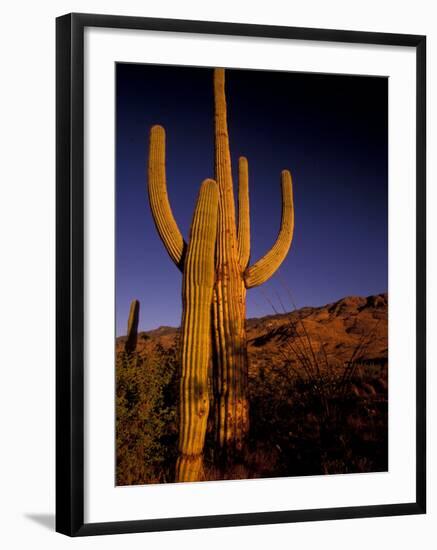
(339, 326)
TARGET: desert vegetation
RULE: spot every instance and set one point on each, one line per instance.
(317, 385)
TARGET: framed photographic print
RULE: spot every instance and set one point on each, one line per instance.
(240, 274)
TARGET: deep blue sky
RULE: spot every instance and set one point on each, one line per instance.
(331, 131)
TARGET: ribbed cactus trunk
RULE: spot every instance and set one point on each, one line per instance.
(197, 289)
(216, 274)
(230, 357)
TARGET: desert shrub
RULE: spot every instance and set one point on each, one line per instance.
(146, 409)
(311, 416)
(319, 424)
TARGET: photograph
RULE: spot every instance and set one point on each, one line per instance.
(251, 274)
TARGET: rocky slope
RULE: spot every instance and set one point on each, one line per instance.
(352, 323)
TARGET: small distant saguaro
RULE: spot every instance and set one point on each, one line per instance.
(216, 275)
(132, 327)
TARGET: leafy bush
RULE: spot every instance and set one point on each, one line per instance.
(146, 423)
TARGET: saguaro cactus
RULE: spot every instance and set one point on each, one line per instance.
(132, 327)
(232, 276)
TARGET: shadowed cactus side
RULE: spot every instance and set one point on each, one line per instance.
(226, 333)
(132, 327)
(233, 278)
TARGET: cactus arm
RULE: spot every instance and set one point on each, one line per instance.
(158, 198)
(197, 293)
(265, 267)
(243, 214)
(132, 327)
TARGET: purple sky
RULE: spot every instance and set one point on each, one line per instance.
(331, 131)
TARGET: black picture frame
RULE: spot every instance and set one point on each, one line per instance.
(70, 273)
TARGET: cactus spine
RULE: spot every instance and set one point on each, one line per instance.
(226, 334)
(132, 327)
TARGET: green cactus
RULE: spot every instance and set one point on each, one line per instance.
(132, 327)
(232, 277)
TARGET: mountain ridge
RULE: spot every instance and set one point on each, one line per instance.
(334, 329)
